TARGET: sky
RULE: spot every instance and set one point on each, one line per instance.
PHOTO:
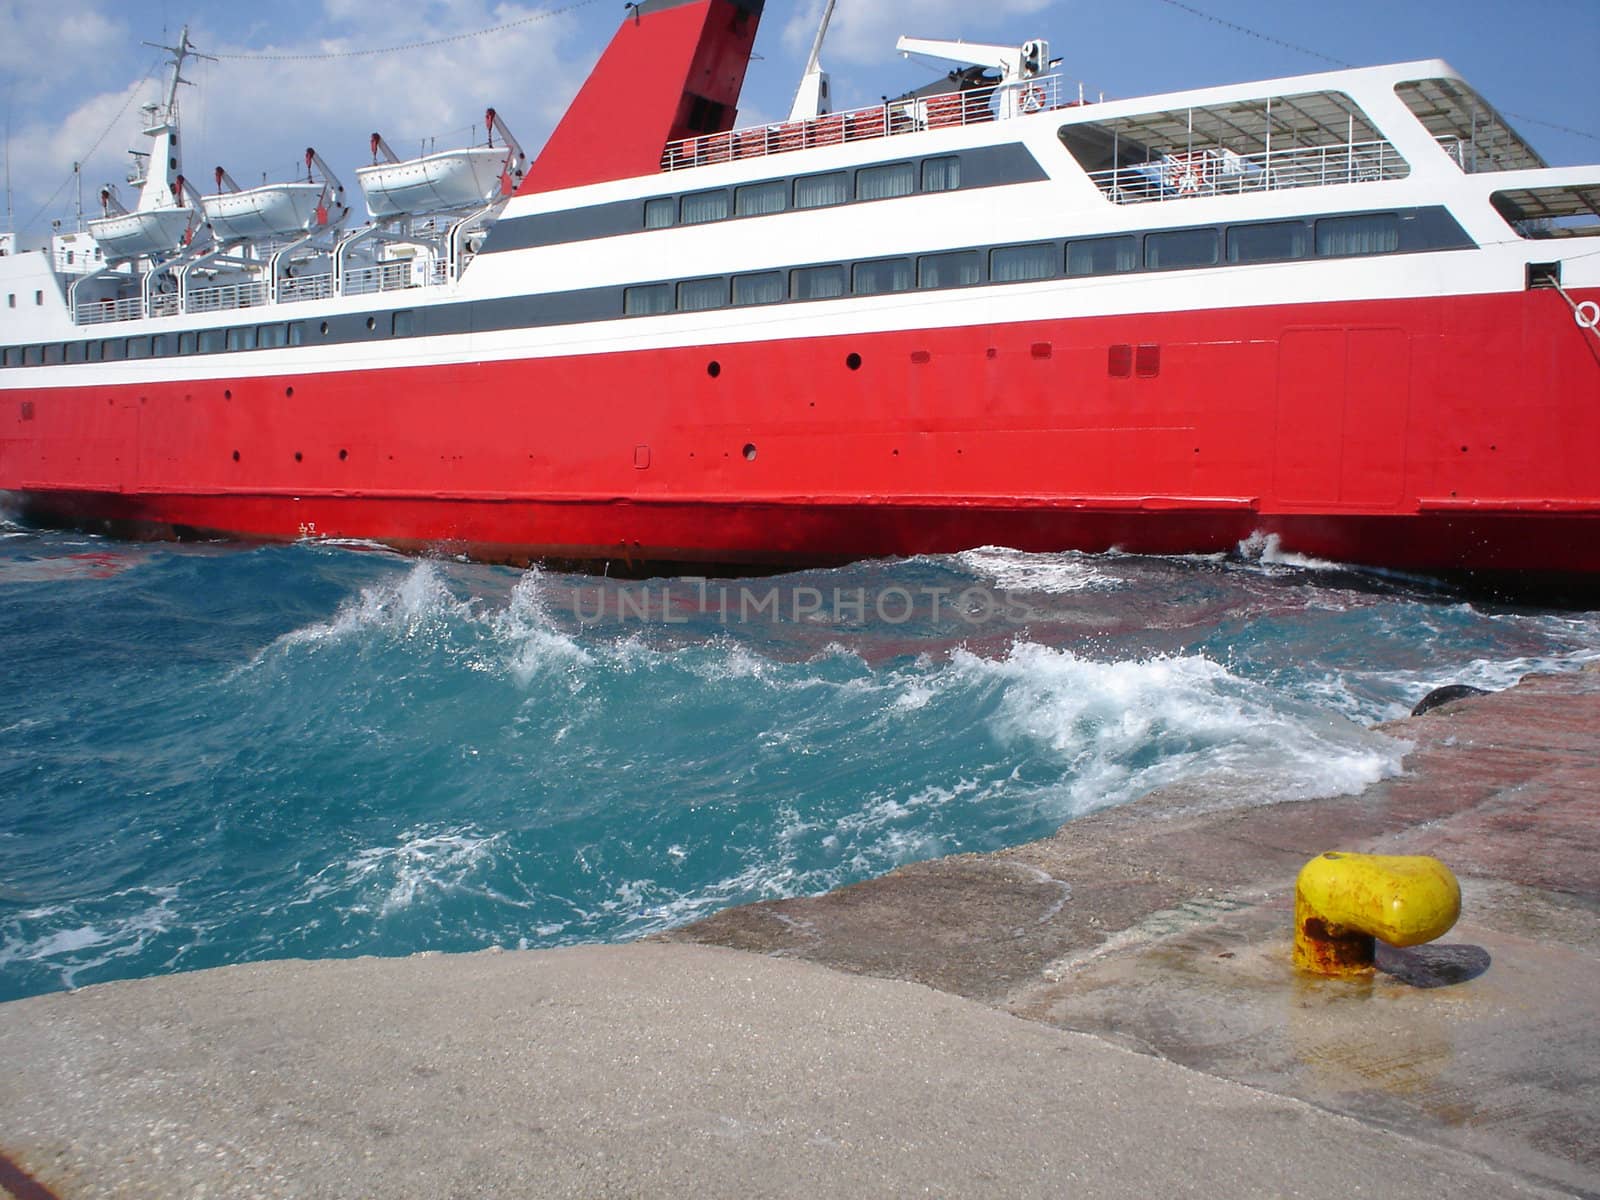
(74, 72)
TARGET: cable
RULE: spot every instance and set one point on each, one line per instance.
(1205, 16)
(84, 157)
(1338, 62)
(1593, 137)
(442, 41)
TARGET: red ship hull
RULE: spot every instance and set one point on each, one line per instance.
(1435, 434)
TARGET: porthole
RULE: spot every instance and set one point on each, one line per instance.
(713, 368)
(749, 452)
(324, 329)
(372, 323)
(227, 393)
(288, 392)
(853, 361)
(235, 456)
(343, 454)
(298, 457)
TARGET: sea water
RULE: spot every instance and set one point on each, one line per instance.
(220, 753)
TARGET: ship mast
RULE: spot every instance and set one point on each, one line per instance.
(160, 188)
(812, 100)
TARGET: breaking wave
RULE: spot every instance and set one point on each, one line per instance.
(229, 755)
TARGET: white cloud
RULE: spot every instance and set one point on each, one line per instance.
(256, 116)
(866, 33)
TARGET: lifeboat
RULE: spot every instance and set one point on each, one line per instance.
(275, 209)
(462, 178)
(272, 210)
(448, 179)
(135, 234)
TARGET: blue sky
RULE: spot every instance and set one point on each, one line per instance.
(69, 67)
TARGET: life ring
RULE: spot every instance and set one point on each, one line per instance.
(1033, 98)
(1587, 314)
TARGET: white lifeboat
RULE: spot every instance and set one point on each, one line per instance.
(447, 179)
(146, 231)
(274, 209)
(271, 210)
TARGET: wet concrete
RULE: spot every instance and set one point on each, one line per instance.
(1109, 1012)
(1164, 926)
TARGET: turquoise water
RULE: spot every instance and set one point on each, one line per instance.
(217, 754)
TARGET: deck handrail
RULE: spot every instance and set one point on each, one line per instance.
(972, 106)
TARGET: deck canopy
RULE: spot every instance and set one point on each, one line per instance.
(1569, 210)
(1475, 135)
(1257, 143)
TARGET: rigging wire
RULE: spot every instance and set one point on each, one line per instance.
(542, 15)
(104, 133)
(1205, 16)
(1339, 62)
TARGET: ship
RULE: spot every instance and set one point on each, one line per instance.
(1353, 311)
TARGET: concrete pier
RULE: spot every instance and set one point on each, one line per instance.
(1108, 1012)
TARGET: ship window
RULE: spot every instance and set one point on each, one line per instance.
(886, 275)
(297, 333)
(647, 301)
(949, 270)
(660, 213)
(886, 182)
(11, 357)
(11, 300)
(1368, 233)
(816, 191)
(91, 351)
(270, 337)
(243, 338)
(1015, 264)
(113, 349)
(38, 297)
(53, 355)
(1174, 248)
(765, 288)
(158, 345)
(697, 295)
(186, 342)
(74, 352)
(212, 340)
(941, 174)
(1103, 256)
(69, 258)
(32, 356)
(402, 323)
(1272, 242)
(759, 199)
(816, 283)
(704, 206)
(139, 347)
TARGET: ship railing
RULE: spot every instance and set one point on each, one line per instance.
(164, 305)
(99, 312)
(227, 296)
(1220, 172)
(305, 287)
(382, 277)
(969, 107)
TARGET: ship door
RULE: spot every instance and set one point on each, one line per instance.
(1343, 400)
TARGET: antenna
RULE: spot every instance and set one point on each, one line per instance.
(9, 88)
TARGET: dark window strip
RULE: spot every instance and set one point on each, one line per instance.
(981, 167)
(1419, 230)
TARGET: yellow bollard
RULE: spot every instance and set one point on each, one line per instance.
(1344, 901)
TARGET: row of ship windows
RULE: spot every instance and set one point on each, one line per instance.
(882, 182)
(1164, 250)
(273, 336)
(1274, 241)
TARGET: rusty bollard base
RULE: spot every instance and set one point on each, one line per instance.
(1345, 903)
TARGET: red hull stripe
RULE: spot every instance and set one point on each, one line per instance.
(1432, 433)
